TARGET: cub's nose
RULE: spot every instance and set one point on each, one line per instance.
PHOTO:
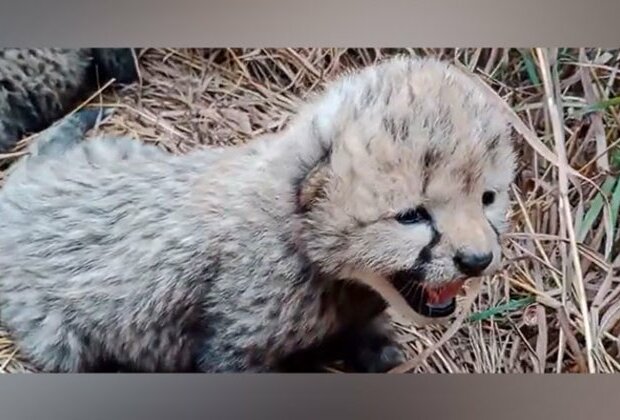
(472, 264)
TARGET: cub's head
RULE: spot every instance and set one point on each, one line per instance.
(413, 183)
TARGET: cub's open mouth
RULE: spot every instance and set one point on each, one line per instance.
(437, 301)
(429, 299)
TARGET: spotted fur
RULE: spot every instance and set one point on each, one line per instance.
(38, 86)
(116, 250)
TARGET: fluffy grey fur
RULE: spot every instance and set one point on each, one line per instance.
(38, 86)
(235, 259)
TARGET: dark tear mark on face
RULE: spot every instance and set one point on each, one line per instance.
(417, 271)
(425, 255)
(409, 281)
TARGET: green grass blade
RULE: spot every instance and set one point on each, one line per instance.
(530, 67)
(615, 206)
(614, 160)
(511, 305)
(602, 105)
(595, 209)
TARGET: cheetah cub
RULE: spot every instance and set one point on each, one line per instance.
(39, 86)
(115, 253)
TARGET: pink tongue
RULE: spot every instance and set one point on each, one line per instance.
(443, 295)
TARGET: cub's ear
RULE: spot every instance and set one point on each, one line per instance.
(312, 187)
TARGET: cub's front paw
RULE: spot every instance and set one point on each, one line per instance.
(377, 354)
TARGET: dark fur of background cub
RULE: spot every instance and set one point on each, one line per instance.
(38, 86)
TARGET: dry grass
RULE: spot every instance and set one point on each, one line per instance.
(556, 305)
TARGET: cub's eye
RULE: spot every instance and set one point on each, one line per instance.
(413, 216)
(488, 198)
